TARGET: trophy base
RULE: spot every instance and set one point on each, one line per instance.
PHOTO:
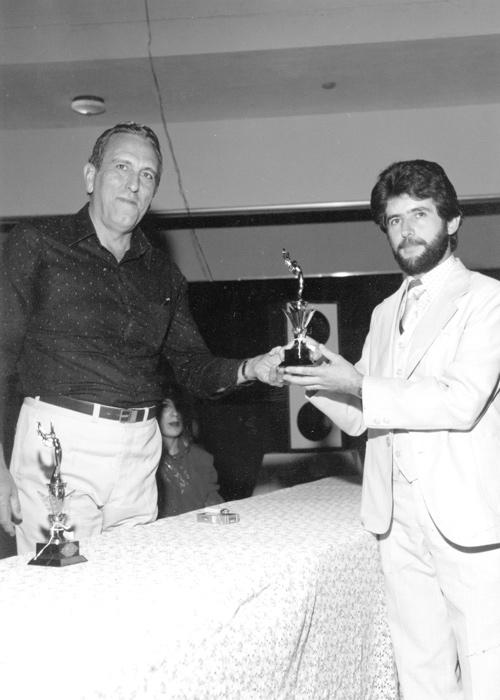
(61, 554)
(298, 355)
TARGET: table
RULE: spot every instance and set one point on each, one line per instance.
(287, 604)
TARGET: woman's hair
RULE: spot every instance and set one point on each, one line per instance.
(182, 402)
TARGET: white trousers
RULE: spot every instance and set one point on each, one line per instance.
(443, 606)
(109, 468)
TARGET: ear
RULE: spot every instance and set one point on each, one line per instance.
(453, 225)
(89, 173)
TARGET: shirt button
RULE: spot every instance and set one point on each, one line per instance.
(399, 372)
(388, 441)
(398, 453)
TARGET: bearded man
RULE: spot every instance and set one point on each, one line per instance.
(427, 389)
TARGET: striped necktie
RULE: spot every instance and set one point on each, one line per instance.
(413, 293)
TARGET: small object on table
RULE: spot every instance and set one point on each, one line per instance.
(220, 517)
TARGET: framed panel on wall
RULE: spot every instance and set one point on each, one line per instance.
(309, 428)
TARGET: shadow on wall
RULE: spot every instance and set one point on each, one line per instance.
(290, 469)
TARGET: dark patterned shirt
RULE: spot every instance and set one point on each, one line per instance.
(75, 322)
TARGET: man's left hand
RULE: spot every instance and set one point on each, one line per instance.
(335, 374)
(265, 368)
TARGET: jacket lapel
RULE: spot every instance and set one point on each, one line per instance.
(385, 339)
(441, 309)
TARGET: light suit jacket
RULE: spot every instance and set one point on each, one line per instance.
(449, 402)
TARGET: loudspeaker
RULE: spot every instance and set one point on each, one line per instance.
(309, 428)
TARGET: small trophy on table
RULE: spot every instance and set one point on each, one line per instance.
(299, 313)
(59, 550)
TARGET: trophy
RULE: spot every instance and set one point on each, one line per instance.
(299, 313)
(59, 550)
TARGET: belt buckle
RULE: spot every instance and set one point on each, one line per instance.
(128, 415)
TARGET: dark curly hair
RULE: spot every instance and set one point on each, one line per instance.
(182, 401)
(419, 179)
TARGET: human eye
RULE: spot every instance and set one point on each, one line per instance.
(120, 165)
(148, 175)
(393, 220)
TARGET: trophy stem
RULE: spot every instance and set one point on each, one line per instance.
(299, 313)
(59, 550)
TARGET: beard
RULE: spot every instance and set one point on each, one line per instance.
(432, 254)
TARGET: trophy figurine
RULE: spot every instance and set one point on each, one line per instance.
(299, 313)
(59, 550)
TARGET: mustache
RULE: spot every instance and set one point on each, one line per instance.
(410, 241)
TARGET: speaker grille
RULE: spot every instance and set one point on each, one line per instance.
(310, 429)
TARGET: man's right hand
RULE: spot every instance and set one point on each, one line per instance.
(10, 508)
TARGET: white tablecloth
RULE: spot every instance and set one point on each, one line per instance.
(285, 604)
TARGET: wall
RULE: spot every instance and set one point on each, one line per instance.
(334, 248)
(242, 319)
(267, 161)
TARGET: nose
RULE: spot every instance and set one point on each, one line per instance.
(133, 182)
(172, 411)
(406, 228)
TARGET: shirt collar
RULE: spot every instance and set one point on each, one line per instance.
(433, 280)
(84, 228)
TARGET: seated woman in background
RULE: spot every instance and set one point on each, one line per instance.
(186, 476)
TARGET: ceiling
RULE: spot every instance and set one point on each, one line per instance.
(210, 60)
(218, 61)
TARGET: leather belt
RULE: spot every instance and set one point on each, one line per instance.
(124, 415)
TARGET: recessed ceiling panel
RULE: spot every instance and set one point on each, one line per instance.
(257, 84)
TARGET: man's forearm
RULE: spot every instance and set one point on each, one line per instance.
(358, 387)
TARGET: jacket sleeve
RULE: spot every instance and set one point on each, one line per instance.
(344, 410)
(455, 381)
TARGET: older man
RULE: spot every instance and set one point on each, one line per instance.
(90, 311)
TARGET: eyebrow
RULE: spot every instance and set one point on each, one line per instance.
(125, 159)
(423, 207)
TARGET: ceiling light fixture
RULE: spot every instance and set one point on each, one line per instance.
(88, 104)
